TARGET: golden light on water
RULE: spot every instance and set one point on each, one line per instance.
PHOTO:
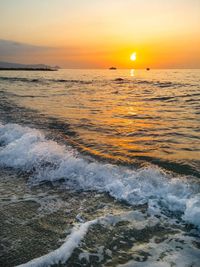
(132, 72)
(133, 56)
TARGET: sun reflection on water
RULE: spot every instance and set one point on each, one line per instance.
(132, 72)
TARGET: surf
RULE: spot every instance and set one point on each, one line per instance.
(28, 150)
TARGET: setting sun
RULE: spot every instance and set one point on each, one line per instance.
(133, 56)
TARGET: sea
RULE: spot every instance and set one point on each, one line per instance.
(100, 168)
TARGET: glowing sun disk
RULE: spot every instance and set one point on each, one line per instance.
(133, 56)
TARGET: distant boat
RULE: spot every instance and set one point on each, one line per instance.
(147, 68)
(112, 68)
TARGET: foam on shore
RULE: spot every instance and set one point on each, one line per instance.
(62, 254)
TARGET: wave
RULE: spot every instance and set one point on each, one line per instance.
(29, 150)
(163, 98)
(72, 81)
(160, 84)
(20, 79)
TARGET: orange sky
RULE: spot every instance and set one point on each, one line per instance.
(101, 33)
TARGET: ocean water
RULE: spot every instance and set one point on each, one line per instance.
(100, 168)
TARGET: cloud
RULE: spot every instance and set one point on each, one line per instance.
(66, 56)
(16, 51)
(15, 48)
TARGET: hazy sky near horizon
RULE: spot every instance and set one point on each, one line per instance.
(101, 33)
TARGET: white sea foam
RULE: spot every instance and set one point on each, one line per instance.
(177, 250)
(28, 149)
(62, 254)
(192, 211)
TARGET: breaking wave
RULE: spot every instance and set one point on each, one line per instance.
(29, 150)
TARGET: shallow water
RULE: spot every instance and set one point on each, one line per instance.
(102, 166)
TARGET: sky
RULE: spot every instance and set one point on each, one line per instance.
(101, 33)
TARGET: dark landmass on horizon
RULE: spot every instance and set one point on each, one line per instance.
(24, 67)
(28, 69)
